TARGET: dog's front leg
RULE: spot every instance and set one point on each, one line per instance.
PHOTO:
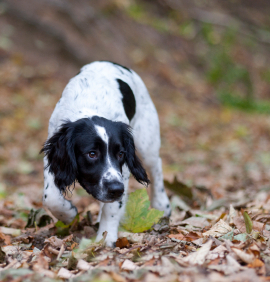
(111, 214)
(54, 200)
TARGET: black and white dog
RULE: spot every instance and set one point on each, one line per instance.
(90, 140)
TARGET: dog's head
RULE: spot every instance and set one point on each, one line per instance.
(93, 151)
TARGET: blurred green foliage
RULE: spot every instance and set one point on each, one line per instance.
(230, 76)
(231, 79)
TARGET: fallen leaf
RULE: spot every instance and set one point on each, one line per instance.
(54, 241)
(64, 273)
(179, 236)
(248, 222)
(228, 236)
(218, 252)
(241, 237)
(10, 231)
(256, 263)
(83, 265)
(132, 237)
(122, 243)
(138, 217)
(247, 258)
(179, 188)
(219, 229)
(192, 236)
(6, 239)
(196, 221)
(129, 265)
(62, 229)
(231, 267)
(199, 256)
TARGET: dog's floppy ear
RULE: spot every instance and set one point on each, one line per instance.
(131, 159)
(59, 150)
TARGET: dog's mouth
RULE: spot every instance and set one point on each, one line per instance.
(100, 195)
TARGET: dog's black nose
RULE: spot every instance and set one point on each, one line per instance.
(115, 189)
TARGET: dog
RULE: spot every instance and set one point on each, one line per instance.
(104, 127)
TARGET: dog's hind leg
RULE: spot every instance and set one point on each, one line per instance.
(54, 200)
(147, 142)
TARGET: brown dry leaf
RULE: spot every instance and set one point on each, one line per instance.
(256, 263)
(64, 273)
(231, 267)
(68, 239)
(192, 236)
(196, 221)
(10, 250)
(41, 263)
(179, 236)
(219, 229)
(83, 265)
(6, 239)
(132, 237)
(122, 243)
(247, 258)
(10, 231)
(129, 265)
(199, 256)
(117, 277)
(218, 252)
(54, 241)
(255, 249)
(239, 222)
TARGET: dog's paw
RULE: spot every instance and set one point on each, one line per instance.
(65, 211)
(110, 239)
(162, 204)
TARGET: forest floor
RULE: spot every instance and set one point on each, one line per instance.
(216, 162)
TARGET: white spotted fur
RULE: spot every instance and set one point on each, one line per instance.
(95, 92)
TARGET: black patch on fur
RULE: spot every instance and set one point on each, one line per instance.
(118, 65)
(132, 161)
(120, 204)
(128, 99)
(61, 157)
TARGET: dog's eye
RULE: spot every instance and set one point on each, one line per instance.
(120, 155)
(93, 154)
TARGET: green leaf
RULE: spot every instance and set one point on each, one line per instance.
(248, 222)
(179, 188)
(241, 237)
(62, 229)
(228, 236)
(138, 216)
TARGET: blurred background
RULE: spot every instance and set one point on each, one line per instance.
(205, 63)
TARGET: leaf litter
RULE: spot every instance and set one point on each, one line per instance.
(223, 242)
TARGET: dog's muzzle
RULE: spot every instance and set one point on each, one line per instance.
(114, 189)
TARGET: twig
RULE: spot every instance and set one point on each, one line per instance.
(50, 249)
(62, 249)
